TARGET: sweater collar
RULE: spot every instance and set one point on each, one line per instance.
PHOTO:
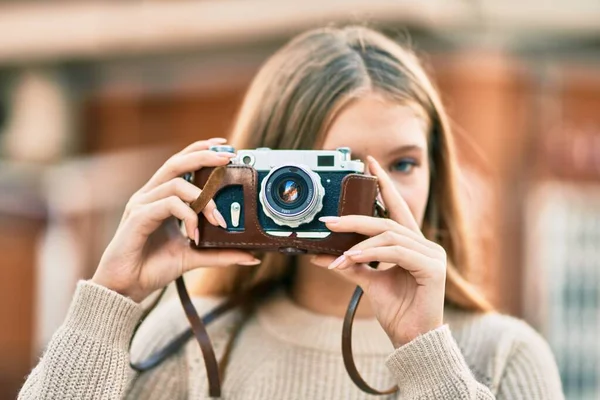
(292, 324)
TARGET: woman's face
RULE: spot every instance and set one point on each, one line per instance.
(395, 136)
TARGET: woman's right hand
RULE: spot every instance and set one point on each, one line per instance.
(148, 250)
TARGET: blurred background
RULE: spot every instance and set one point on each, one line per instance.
(94, 96)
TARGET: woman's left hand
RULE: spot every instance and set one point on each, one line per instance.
(406, 292)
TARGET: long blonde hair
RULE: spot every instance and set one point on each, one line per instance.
(293, 100)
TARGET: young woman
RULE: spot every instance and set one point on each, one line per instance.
(422, 326)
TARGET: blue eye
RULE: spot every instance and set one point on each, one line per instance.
(405, 165)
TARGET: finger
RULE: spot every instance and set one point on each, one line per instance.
(359, 274)
(395, 204)
(148, 217)
(203, 145)
(216, 258)
(179, 187)
(322, 260)
(419, 265)
(391, 238)
(365, 225)
(187, 192)
(179, 164)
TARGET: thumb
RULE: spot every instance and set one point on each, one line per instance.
(193, 258)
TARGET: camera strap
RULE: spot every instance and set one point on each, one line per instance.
(358, 380)
(214, 369)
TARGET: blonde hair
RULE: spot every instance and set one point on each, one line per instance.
(293, 100)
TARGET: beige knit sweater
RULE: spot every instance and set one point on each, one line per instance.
(286, 352)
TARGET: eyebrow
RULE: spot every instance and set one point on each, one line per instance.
(406, 148)
(394, 151)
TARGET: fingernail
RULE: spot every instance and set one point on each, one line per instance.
(351, 253)
(210, 217)
(197, 237)
(331, 220)
(220, 219)
(373, 162)
(256, 261)
(338, 261)
(217, 139)
(226, 154)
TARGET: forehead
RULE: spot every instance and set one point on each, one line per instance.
(371, 125)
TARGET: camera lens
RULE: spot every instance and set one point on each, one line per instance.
(291, 195)
(289, 191)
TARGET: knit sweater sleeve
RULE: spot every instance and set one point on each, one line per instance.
(433, 367)
(531, 371)
(88, 356)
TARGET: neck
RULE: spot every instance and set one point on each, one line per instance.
(323, 291)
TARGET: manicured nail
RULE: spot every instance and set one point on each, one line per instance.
(351, 253)
(338, 261)
(330, 220)
(220, 219)
(217, 140)
(197, 237)
(210, 217)
(256, 261)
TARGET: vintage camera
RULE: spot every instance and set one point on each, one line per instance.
(272, 199)
(296, 187)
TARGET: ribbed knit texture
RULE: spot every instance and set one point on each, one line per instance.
(88, 356)
(286, 352)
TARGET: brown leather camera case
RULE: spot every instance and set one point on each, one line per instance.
(357, 197)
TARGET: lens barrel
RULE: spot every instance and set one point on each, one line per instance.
(291, 195)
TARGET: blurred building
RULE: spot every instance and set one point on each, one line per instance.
(562, 220)
(94, 96)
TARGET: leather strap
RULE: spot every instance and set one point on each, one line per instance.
(214, 371)
(347, 345)
(244, 299)
(209, 190)
(210, 360)
(198, 328)
(380, 212)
